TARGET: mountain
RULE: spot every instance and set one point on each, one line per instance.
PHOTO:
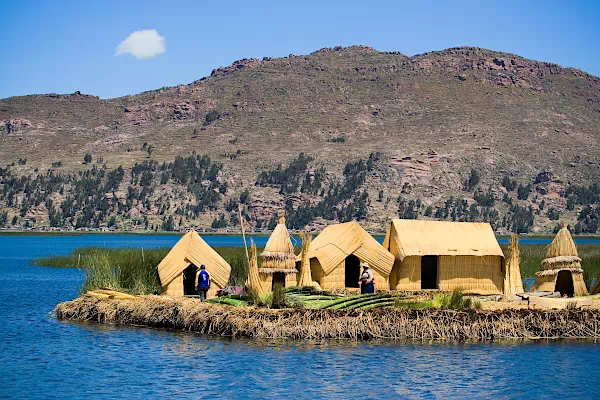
(451, 130)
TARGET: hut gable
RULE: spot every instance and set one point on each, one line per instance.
(443, 238)
(337, 242)
(192, 249)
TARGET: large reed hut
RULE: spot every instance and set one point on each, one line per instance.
(278, 259)
(337, 254)
(178, 271)
(444, 255)
(561, 270)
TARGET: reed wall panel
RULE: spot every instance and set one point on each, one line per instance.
(336, 279)
(407, 273)
(175, 287)
(470, 272)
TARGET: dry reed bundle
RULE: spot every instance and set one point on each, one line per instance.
(305, 278)
(388, 323)
(254, 282)
(513, 283)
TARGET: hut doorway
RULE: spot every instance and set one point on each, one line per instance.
(352, 271)
(189, 280)
(429, 272)
(564, 284)
(278, 279)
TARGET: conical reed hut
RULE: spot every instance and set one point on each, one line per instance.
(278, 258)
(305, 278)
(254, 282)
(561, 270)
(513, 283)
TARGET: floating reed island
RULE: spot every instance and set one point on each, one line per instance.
(310, 324)
(434, 280)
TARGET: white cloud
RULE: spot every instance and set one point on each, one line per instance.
(142, 44)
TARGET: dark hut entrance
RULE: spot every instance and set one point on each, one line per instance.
(352, 271)
(278, 279)
(564, 284)
(189, 280)
(429, 272)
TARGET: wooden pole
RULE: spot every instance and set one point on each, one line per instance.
(243, 233)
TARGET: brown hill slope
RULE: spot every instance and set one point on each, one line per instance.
(434, 117)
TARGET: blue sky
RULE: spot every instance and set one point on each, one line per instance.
(64, 46)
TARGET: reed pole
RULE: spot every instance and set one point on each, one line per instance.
(243, 233)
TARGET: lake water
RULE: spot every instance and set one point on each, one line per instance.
(43, 358)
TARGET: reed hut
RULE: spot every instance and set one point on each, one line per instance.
(444, 255)
(337, 254)
(178, 271)
(513, 283)
(561, 270)
(278, 259)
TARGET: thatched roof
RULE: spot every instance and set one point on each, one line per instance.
(192, 249)
(278, 255)
(279, 245)
(419, 238)
(562, 244)
(561, 254)
(337, 242)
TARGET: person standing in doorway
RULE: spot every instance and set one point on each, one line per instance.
(203, 282)
(367, 282)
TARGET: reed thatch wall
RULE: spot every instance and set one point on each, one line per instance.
(406, 274)
(465, 272)
(390, 323)
(471, 273)
(547, 283)
(336, 279)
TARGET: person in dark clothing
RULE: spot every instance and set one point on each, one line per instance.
(367, 281)
(203, 282)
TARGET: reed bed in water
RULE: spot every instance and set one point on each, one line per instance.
(133, 270)
(388, 323)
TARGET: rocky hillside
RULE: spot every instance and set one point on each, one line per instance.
(464, 133)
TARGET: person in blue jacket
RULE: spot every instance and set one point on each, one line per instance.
(203, 282)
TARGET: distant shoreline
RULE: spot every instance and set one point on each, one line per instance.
(165, 233)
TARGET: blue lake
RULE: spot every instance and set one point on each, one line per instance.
(43, 358)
